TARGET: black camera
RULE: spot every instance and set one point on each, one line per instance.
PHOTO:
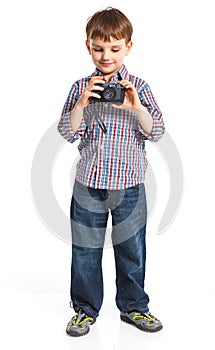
(112, 93)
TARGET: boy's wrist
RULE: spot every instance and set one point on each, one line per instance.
(78, 106)
(140, 107)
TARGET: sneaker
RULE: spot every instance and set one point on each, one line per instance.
(144, 321)
(79, 324)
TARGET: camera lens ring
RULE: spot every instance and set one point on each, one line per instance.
(109, 93)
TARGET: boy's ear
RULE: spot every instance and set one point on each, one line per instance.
(88, 46)
(128, 47)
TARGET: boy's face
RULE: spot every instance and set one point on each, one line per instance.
(108, 56)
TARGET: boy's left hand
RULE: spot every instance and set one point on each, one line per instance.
(131, 100)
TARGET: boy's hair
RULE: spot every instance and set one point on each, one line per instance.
(109, 23)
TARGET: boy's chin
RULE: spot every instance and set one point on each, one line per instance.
(108, 69)
(105, 68)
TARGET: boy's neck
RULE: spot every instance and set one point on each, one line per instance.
(109, 76)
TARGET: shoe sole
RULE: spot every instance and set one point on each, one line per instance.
(127, 320)
(75, 334)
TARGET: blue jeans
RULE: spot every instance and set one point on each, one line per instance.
(89, 214)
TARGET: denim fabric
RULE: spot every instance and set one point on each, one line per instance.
(89, 214)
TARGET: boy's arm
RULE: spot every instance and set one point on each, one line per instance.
(72, 124)
(65, 126)
(140, 100)
(147, 99)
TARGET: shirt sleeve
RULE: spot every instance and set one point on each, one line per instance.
(148, 100)
(64, 125)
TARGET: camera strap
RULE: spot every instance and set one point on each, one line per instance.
(99, 121)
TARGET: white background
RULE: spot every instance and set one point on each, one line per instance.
(42, 54)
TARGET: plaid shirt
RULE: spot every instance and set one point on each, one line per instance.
(115, 159)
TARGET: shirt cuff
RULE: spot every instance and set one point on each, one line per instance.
(157, 131)
(66, 130)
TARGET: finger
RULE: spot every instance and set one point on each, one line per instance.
(127, 84)
(97, 80)
(97, 87)
(91, 88)
(123, 82)
(96, 84)
(89, 93)
(94, 94)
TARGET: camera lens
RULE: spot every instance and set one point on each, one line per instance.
(109, 94)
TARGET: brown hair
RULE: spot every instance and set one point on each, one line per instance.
(109, 23)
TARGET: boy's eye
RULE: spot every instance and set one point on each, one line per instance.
(99, 50)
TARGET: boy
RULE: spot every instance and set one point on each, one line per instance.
(110, 175)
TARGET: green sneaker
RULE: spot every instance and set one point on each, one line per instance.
(144, 321)
(79, 324)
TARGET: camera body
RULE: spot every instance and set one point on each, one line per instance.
(112, 93)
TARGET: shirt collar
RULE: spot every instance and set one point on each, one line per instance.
(122, 73)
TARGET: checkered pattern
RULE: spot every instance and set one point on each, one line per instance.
(115, 159)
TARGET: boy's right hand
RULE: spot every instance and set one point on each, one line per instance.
(89, 91)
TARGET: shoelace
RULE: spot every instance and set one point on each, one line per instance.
(79, 318)
(147, 316)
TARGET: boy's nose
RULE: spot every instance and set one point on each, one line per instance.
(105, 55)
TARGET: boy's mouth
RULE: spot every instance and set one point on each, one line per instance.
(106, 64)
